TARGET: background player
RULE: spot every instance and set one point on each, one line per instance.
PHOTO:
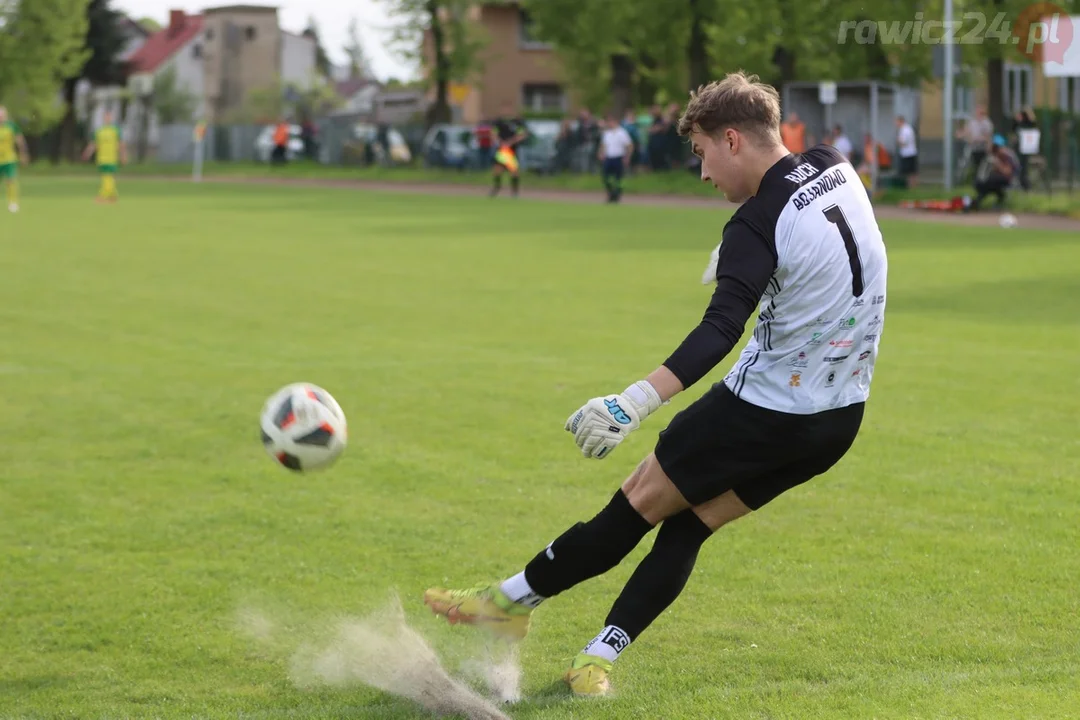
(13, 150)
(805, 251)
(616, 150)
(510, 132)
(108, 143)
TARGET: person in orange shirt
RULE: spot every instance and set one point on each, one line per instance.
(793, 133)
(281, 142)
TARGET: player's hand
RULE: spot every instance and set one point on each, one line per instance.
(604, 422)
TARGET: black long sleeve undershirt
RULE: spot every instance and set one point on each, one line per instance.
(747, 262)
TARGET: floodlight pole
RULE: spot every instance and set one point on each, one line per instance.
(948, 99)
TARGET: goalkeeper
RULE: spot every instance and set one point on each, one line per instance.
(787, 412)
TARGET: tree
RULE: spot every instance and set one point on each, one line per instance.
(322, 60)
(41, 44)
(359, 65)
(105, 40)
(453, 53)
(172, 102)
(149, 24)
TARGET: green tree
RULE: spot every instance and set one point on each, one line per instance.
(322, 60)
(359, 64)
(454, 50)
(105, 40)
(41, 45)
(149, 24)
(171, 102)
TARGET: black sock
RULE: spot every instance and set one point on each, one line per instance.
(587, 549)
(661, 575)
(496, 183)
(515, 183)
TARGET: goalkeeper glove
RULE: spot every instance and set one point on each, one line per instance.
(603, 422)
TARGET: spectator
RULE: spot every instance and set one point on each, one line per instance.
(484, 144)
(658, 140)
(1004, 166)
(564, 145)
(672, 143)
(1027, 142)
(870, 149)
(616, 147)
(281, 143)
(588, 136)
(908, 151)
(629, 124)
(793, 133)
(977, 132)
(841, 143)
(307, 135)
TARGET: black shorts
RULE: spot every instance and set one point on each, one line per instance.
(909, 165)
(722, 443)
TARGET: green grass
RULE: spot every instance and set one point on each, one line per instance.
(932, 574)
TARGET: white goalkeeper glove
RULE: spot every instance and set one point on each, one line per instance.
(603, 422)
(709, 276)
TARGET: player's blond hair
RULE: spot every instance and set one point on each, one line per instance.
(739, 101)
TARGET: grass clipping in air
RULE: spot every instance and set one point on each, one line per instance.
(383, 652)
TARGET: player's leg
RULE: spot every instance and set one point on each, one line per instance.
(109, 181)
(617, 173)
(606, 177)
(805, 447)
(515, 172)
(11, 190)
(496, 177)
(585, 550)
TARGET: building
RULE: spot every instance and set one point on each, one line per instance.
(517, 69)
(220, 58)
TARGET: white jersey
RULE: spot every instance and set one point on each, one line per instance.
(616, 142)
(822, 313)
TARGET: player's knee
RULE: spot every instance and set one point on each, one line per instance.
(652, 493)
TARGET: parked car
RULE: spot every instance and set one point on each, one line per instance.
(537, 154)
(367, 148)
(264, 143)
(451, 146)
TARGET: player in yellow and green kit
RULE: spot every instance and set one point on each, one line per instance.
(12, 150)
(111, 152)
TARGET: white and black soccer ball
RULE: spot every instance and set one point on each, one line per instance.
(303, 427)
(1007, 220)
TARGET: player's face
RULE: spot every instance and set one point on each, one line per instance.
(720, 163)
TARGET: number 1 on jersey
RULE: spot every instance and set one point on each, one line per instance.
(836, 216)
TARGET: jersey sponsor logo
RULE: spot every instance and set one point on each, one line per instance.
(832, 359)
(841, 343)
(796, 380)
(878, 300)
(815, 339)
(802, 173)
(869, 338)
(858, 371)
(617, 412)
(847, 323)
(873, 323)
(827, 183)
(831, 379)
(864, 354)
(799, 361)
(859, 303)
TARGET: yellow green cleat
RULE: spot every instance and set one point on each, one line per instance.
(484, 606)
(588, 676)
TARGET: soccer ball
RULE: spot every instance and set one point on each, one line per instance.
(303, 427)
(1007, 220)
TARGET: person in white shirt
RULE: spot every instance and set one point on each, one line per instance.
(803, 254)
(615, 153)
(908, 151)
(841, 142)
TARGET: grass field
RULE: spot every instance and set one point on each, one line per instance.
(933, 574)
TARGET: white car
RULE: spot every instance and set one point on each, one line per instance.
(264, 143)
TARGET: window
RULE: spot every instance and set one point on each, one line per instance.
(543, 98)
(209, 34)
(527, 32)
(249, 32)
(1017, 88)
(196, 51)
